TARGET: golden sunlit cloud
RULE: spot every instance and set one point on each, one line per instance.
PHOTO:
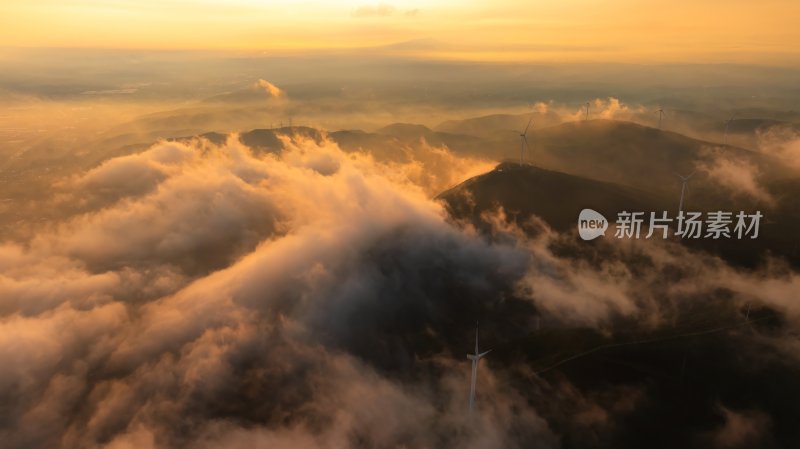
(271, 89)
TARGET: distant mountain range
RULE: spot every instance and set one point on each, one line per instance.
(605, 165)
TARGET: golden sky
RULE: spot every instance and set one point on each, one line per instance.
(763, 31)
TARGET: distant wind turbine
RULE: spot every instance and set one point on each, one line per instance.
(524, 143)
(685, 182)
(475, 359)
(727, 125)
(661, 113)
(587, 111)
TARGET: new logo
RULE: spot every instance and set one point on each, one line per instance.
(591, 224)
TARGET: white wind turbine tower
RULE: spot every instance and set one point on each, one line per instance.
(727, 125)
(524, 143)
(587, 111)
(475, 359)
(685, 182)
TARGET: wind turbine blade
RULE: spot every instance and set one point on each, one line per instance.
(526, 128)
(483, 354)
(476, 338)
(525, 139)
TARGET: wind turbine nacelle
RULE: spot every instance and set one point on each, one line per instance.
(478, 356)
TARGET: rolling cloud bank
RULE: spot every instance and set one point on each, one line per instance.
(214, 296)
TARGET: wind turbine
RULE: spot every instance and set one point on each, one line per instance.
(685, 182)
(727, 125)
(660, 115)
(587, 111)
(475, 359)
(524, 143)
